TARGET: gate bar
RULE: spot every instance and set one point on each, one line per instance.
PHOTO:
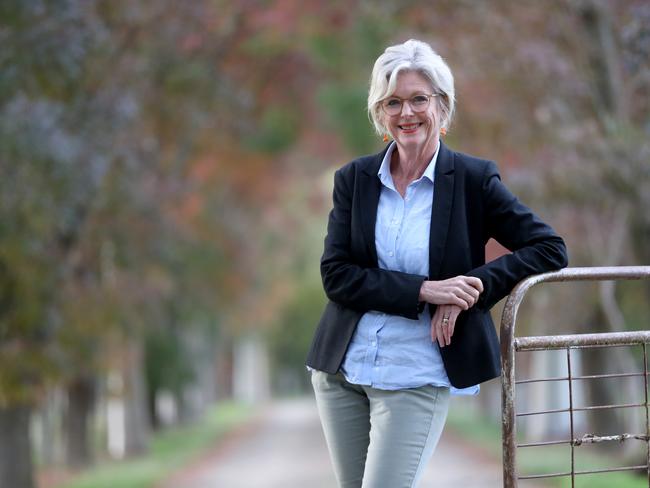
(508, 322)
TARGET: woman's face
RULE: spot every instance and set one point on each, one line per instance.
(410, 129)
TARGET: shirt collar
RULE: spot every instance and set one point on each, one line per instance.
(384, 170)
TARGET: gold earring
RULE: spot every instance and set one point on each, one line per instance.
(385, 137)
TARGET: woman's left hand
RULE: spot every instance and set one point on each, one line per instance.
(443, 323)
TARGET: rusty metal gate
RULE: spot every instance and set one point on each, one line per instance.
(510, 345)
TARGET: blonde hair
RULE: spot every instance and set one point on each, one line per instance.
(413, 55)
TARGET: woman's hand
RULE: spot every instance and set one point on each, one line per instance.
(462, 291)
(443, 323)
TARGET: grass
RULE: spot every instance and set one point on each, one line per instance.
(170, 451)
(485, 433)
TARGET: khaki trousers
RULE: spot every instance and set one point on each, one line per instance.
(379, 438)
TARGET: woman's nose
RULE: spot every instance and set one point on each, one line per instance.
(406, 108)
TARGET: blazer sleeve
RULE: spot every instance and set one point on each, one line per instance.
(535, 246)
(352, 285)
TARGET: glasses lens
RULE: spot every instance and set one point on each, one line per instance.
(419, 102)
(392, 106)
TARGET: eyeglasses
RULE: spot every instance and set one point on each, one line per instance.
(418, 103)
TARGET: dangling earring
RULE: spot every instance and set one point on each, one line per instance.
(385, 137)
(443, 132)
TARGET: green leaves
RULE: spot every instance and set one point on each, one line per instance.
(345, 106)
(278, 129)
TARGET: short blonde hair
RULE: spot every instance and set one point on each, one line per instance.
(413, 55)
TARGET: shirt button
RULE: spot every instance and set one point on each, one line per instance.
(373, 343)
(390, 253)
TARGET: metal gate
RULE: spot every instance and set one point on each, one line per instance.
(510, 345)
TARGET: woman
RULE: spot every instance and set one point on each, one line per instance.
(404, 269)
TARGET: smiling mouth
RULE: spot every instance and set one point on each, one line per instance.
(410, 127)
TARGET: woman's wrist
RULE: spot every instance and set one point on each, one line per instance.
(425, 291)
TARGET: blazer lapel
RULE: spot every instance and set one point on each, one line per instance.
(370, 189)
(443, 195)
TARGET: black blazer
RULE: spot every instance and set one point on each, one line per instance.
(470, 205)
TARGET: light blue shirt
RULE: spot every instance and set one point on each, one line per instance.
(390, 352)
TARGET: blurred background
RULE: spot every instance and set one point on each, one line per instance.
(165, 177)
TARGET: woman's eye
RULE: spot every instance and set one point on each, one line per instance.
(393, 102)
(419, 99)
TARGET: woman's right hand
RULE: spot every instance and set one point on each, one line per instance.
(459, 290)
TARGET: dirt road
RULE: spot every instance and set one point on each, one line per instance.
(284, 448)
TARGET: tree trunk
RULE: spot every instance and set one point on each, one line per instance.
(48, 442)
(199, 389)
(136, 418)
(606, 60)
(152, 409)
(224, 367)
(15, 448)
(600, 392)
(81, 401)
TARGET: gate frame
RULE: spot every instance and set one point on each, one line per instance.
(508, 322)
